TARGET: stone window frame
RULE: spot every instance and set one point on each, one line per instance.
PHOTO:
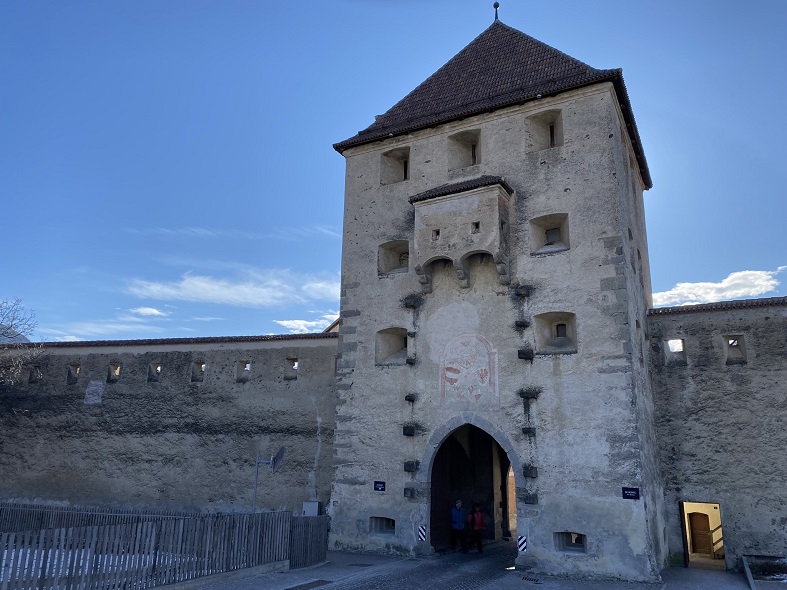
(464, 149)
(389, 257)
(541, 226)
(548, 327)
(395, 166)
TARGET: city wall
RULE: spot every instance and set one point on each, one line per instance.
(172, 423)
(720, 415)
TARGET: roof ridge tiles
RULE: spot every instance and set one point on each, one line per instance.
(461, 186)
(720, 305)
(173, 341)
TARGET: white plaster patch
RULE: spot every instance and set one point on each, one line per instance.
(448, 322)
(94, 392)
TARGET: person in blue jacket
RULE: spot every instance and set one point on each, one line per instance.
(458, 520)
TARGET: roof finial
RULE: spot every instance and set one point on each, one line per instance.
(496, 5)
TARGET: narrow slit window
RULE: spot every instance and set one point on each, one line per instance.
(292, 368)
(154, 372)
(435, 234)
(113, 374)
(198, 372)
(552, 135)
(395, 166)
(463, 150)
(736, 350)
(243, 371)
(73, 374)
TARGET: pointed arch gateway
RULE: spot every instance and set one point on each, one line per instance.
(470, 459)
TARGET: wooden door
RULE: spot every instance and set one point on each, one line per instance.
(701, 541)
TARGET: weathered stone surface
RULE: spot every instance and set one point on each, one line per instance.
(721, 428)
(173, 442)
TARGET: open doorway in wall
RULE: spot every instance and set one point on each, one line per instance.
(472, 467)
(703, 541)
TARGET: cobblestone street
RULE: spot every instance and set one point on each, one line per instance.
(491, 570)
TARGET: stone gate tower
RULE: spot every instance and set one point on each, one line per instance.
(495, 284)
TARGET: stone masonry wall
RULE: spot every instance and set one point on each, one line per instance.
(174, 441)
(722, 422)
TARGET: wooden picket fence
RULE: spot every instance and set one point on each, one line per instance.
(157, 551)
(32, 517)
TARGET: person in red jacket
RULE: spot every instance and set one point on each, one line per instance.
(476, 524)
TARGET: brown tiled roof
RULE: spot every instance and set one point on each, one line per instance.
(499, 68)
(465, 185)
(721, 305)
(202, 340)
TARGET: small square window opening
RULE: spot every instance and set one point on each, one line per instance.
(242, 371)
(573, 542)
(113, 373)
(475, 227)
(292, 366)
(736, 350)
(435, 234)
(675, 352)
(198, 372)
(73, 374)
(154, 372)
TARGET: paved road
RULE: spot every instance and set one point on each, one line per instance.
(492, 570)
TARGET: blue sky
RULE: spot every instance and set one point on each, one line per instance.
(166, 167)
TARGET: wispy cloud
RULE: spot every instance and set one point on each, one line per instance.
(287, 233)
(97, 329)
(306, 326)
(149, 312)
(307, 231)
(207, 319)
(255, 288)
(738, 285)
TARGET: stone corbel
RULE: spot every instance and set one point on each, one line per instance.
(462, 273)
(503, 268)
(425, 278)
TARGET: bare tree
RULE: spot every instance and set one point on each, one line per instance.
(16, 351)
